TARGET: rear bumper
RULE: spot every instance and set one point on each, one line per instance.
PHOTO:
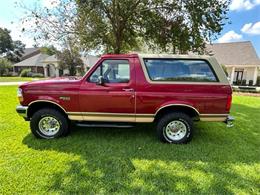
(22, 111)
(218, 118)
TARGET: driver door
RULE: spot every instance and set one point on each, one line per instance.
(114, 99)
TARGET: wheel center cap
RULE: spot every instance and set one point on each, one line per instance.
(174, 129)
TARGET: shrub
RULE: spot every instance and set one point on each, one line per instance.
(29, 74)
(37, 75)
(238, 82)
(250, 82)
(14, 74)
(258, 81)
(5, 65)
(244, 82)
(24, 72)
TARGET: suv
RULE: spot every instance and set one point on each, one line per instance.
(171, 91)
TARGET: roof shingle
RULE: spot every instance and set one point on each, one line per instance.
(33, 61)
(235, 53)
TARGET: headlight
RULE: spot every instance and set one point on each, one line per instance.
(20, 94)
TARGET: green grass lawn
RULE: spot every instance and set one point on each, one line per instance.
(219, 160)
(16, 79)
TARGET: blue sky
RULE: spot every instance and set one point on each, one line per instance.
(244, 16)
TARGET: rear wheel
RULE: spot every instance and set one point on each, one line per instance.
(175, 128)
(49, 123)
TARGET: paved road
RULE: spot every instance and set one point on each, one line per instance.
(11, 83)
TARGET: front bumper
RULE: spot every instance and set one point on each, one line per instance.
(22, 111)
(229, 121)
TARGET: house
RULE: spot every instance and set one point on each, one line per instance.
(29, 52)
(240, 60)
(34, 63)
(46, 64)
(51, 65)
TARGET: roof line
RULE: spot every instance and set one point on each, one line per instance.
(229, 42)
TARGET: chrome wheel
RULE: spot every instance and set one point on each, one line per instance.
(176, 130)
(49, 126)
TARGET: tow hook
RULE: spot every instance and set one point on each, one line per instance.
(229, 121)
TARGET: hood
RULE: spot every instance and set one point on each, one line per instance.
(53, 81)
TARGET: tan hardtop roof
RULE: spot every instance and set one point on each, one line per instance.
(189, 56)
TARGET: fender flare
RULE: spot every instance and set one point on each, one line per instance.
(176, 104)
(48, 101)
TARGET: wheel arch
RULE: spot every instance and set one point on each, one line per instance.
(184, 108)
(39, 104)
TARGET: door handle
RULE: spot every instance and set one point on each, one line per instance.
(128, 89)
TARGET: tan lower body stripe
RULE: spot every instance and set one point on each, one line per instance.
(125, 117)
(112, 117)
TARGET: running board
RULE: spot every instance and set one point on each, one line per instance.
(106, 125)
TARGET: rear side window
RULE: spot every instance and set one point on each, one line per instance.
(179, 70)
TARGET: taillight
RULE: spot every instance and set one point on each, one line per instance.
(229, 101)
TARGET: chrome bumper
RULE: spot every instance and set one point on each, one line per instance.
(229, 121)
(22, 111)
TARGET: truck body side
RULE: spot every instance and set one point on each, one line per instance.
(143, 101)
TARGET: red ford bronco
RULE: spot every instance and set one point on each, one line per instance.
(171, 91)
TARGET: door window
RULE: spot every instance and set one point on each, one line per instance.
(113, 71)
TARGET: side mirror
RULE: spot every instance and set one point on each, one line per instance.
(100, 80)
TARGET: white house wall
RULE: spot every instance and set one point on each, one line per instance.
(249, 73)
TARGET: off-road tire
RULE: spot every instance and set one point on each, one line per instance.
(175, 116)
(48, 112)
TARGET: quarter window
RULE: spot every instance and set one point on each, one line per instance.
(113, 71)
(179, 70)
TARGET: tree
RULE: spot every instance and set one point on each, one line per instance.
(5, 65)
(70, 59)
(50, 24)
(181, 26)
(117, 26)
(5, 40)
(112, 25)
(49, 50)
(12, 50)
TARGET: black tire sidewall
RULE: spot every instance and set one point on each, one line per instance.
(37, 116)
(175, 117)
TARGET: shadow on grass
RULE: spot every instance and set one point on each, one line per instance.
(132, 160)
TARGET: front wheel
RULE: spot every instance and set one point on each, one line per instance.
(175, 128)
(49, 123)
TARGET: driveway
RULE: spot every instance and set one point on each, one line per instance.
(11, 83)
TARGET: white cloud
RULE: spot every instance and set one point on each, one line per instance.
(243, 4)
(229, 37)
(251, 28)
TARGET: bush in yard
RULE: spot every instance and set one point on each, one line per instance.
(239, 82)
(258, 81)
(25, 72)
(5, 65)
(37, 75)
(29, 74)
(244, 82)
